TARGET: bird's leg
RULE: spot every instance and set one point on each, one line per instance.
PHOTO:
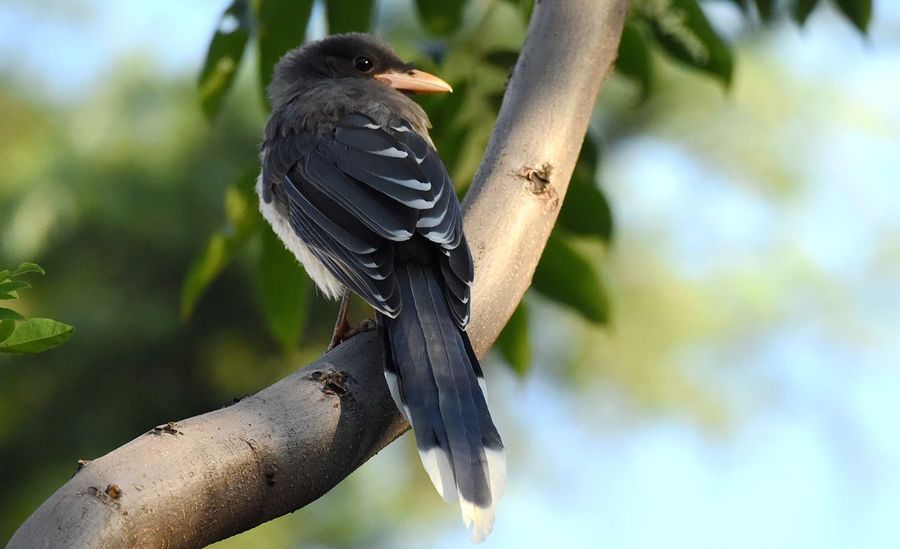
(342, 328)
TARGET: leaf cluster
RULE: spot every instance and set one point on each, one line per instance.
(26, 335)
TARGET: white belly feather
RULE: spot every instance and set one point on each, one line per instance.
(329, 285)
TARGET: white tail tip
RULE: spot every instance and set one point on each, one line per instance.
(437, 465)
(478, 520)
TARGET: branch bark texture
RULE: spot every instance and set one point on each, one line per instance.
(193, 482)
(517, 192)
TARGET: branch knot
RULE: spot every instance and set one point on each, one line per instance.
(539, 182)
(334, 382)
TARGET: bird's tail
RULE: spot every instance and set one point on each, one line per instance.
(438, 385)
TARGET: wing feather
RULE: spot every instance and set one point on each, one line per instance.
(358, 194)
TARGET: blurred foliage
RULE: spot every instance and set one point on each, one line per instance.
(356, 19)
(113, 197)
(118, 196)
(280, 26)
(514, 342)
(224, 56)
(26, 335)
(440, 17)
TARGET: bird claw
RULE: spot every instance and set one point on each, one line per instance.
(345, 332)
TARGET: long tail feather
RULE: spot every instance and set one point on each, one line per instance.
(437, 383)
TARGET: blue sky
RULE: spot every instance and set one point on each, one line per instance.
(813, 459)
(70, 44)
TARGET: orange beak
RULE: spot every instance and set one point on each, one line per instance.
(414, 81)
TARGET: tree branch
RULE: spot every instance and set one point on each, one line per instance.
(519, 187)
(193, 482)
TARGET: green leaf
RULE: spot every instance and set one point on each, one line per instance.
(504, 59)
(449, 135)
(223, 57)
(634, 59)
(514, 343)
(284, 291)
(9, 314)
(206, 268)
(282, 26)
(6, 329)
(859, 12)
(766, 9)
(685, 34)
(243, 220)
(36, 335)
(26, 268)
(349, 15)
(525, 7)
(565, 276)
(241, 203)
(4, 275)
(585, 211)
(13, 286)
(802, 9)
(441, 16)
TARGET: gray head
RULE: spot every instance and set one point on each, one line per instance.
(343, 58)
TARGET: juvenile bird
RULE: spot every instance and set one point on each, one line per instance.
(353, 186)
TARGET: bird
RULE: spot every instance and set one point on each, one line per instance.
(353, 186)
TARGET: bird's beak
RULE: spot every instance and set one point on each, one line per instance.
(414, 81)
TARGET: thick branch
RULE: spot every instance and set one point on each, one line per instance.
(209, 477)
(518, 190)
(193, 482)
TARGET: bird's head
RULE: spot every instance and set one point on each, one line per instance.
(349, 56)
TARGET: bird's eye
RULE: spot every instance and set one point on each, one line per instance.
(363, 64)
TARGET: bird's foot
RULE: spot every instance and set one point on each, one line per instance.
(346, 331)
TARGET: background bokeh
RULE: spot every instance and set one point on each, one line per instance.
(738, 386)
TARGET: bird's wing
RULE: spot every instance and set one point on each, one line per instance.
(442, 223)
(356, 191)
